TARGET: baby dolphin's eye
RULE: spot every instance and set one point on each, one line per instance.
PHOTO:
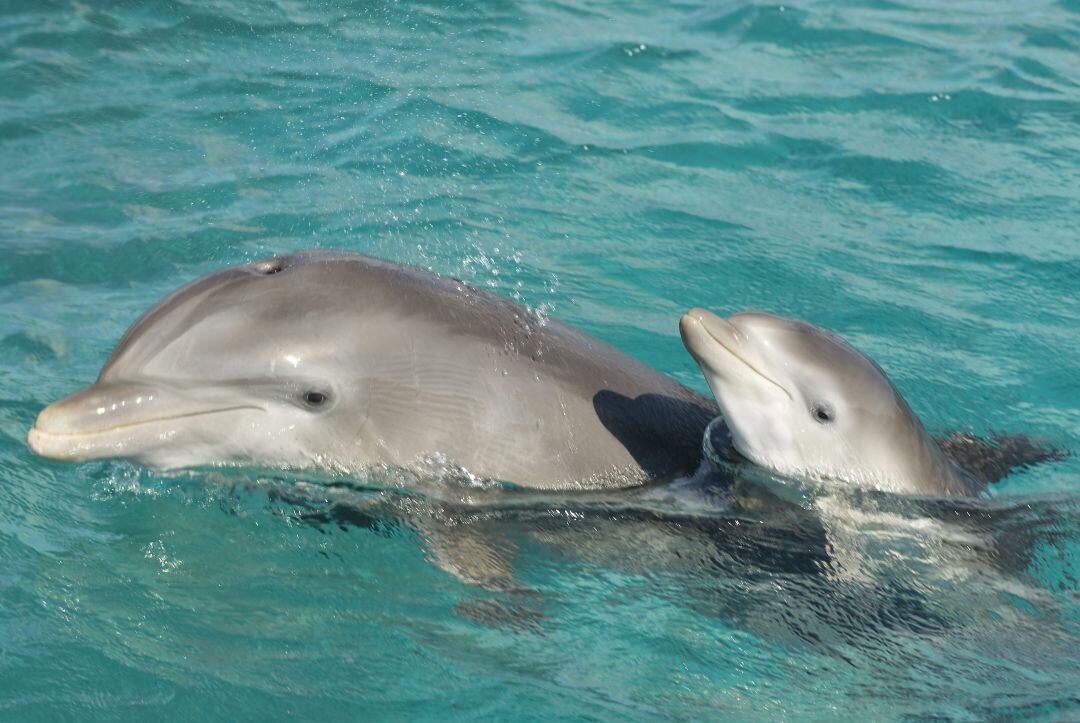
(822, 413)
(315, 399)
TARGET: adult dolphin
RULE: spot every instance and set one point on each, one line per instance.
(330, 359)
(800, 401)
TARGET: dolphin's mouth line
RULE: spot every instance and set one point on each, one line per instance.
(143, 422)
(752, 368)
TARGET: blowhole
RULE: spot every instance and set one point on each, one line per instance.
(269, 267)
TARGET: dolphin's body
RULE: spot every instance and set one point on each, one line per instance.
(336, 360)
(800, 401)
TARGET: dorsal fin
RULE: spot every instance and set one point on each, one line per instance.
(991, 459)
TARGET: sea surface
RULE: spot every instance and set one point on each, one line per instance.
(905, 172)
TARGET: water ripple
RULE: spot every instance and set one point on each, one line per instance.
(905, 172)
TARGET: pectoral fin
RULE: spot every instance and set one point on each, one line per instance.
(474, 556)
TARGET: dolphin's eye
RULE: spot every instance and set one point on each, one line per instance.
(315, 399)
(822, 413)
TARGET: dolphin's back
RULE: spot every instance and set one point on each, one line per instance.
(538, 403)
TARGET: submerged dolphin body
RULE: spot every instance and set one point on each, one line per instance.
(335, 360)
(802, 402)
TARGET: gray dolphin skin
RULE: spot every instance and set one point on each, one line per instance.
(339, 361)
(802, 402)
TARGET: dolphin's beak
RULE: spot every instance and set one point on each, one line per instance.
(721, 349)
(701, 329)
(116, 420)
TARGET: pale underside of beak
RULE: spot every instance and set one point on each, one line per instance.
(119, 420)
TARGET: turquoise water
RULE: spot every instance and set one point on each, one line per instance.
(903, 171)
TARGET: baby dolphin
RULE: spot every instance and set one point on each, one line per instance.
(804, 403)
(335, 360)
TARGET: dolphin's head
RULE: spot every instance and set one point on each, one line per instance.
(802, 402)
(240, 365)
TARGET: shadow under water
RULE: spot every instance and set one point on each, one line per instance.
(868, 579)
